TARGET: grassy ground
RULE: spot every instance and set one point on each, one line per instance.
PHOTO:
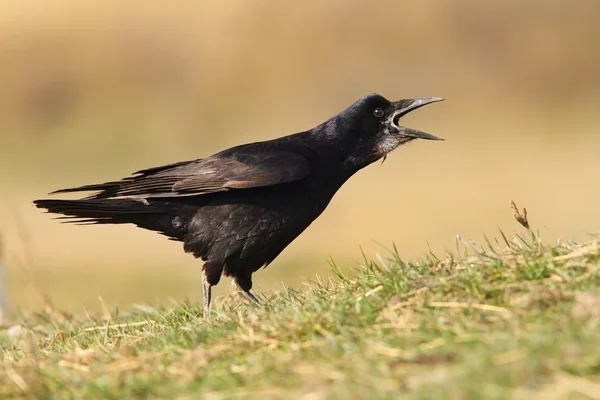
(514, 319)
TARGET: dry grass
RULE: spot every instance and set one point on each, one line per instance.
(519, 320)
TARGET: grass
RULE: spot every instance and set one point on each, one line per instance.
(516, 320)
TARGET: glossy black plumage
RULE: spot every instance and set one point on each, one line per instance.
(238, 209)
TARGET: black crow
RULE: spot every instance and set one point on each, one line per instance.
(238, 209)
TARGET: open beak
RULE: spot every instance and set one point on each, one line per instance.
(403, 107)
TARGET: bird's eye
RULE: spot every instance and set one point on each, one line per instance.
(378, 112)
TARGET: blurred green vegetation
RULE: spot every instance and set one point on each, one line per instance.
(512, 321)
(91, 92)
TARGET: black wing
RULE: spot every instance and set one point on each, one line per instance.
(240, 169)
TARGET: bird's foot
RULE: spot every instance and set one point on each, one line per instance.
(245, 293)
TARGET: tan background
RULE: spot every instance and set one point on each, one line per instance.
(93, 91)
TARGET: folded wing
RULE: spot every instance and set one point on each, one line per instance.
(221, 172)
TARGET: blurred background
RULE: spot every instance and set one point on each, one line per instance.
(92, 91)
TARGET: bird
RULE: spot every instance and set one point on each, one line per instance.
(238, 209)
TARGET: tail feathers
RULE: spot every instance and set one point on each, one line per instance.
(154, 217)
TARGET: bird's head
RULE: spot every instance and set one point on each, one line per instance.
(373, 124)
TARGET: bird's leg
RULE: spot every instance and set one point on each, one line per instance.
(243, 286)
(211, 274)
(206, 294)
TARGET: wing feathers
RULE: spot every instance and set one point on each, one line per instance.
(221, 172)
